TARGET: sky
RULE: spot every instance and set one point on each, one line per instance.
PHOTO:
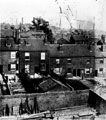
(72, 12)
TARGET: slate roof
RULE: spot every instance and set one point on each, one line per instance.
(32, 45)
(30, 33)
(70, 50)
(8, 44)
(79, 37)
(6, 32)
(62, 41)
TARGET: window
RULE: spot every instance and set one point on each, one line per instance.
(91, 70)
(69, 61)
(27, 43)
(101, 48)
(27, 67)
(8, 45)
(57, 70)
(43, 55)
(87, 71)
(27, 56)
(69, 70)
(100, 70)
(88, 61)
(101, 61)
(1, 68)
(13, 55)
(36, 69)
(42, 67)
(57, 61)
(12, 67)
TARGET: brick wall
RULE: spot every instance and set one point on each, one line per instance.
(100, 55)
(97, 102)
(35, 60)
(48, 101)
(76, 63)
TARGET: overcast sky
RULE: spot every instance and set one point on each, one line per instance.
(85, 10)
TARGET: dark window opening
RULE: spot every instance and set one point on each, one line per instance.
(88, 61)
(101, 69)
(57, 61)
(101, 48)
(36, 69)
(78, 72)
(101, 61)
(69, 60)
(42, 67)
(74, 72)
(12, 67)
(27, 58)
(69, 70)
(96, 72)
(1, 68)
(99, 42)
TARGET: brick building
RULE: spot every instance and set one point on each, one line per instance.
(32, 53)
(34, 57)
(9, 61)
(72, 58)
(100, 60)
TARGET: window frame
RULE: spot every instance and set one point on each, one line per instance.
(13, 68)
(69, 60)
(43, 56)
(101, 61)
(27, 56)
(13, 55)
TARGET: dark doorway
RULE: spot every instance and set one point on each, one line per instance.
(74, 72)
(78, 72)
(1, 68)
(96, 72)
(36, 69)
